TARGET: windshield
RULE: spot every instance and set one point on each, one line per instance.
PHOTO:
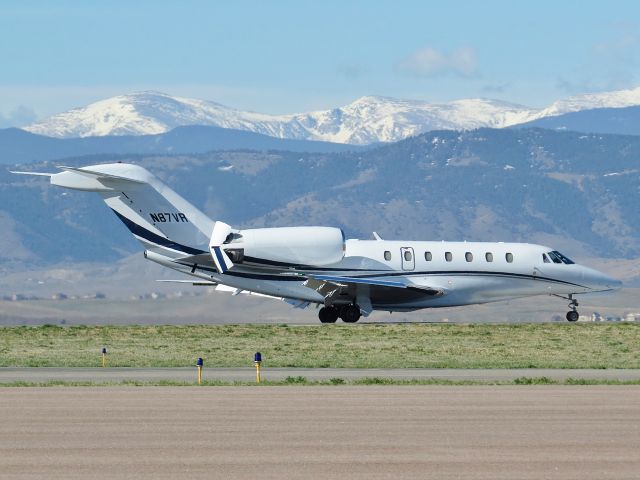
(557, 257)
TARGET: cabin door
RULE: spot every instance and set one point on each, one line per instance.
(408, 259)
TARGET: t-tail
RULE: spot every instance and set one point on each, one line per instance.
(159, 218)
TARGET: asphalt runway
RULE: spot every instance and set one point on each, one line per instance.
(366, 432)
(247, 374)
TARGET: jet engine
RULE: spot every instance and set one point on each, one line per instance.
(315, 246)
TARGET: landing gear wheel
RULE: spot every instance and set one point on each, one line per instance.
(572, 316)
(328, 314)
(350, 313)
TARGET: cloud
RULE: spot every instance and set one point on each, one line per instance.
(498, 88)
(19, 117)
(611, 64)
(429, 62)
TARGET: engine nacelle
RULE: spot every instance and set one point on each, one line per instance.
(314, 246)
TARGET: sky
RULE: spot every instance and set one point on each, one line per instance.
(296, 56)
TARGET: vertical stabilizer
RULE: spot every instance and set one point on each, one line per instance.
(156, 215)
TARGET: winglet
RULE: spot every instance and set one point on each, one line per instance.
(376, 236)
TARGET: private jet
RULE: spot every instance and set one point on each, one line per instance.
(303, 265)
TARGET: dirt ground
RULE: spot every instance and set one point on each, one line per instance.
(520, 432)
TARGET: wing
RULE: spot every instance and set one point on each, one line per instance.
(219, 287)
(363, 290)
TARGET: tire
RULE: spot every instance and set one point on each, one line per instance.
(328, 314)
(350, 314)
(572, 316)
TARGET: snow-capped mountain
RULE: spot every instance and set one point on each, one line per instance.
(367, 120)
(148, 113)
(615, 99)
(381, 119)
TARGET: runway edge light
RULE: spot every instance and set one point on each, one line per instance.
(257, 361)
(104, 357)
(199, 364)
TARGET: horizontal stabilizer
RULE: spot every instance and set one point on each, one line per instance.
(38, 174)
(98, 175)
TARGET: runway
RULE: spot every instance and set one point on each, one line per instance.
(341, 432)
(247, 374)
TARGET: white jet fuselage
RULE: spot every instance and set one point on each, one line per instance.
(477, 272)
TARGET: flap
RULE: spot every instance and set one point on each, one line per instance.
(331, 285)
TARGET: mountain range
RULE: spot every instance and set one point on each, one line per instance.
(369, 119)
(19, 146)
(575, 192)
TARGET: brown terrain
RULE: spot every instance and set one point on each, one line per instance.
(521, 432)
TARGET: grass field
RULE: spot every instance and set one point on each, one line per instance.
(338, 346)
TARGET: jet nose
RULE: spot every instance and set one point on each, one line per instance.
(613, 283)
(602, 282)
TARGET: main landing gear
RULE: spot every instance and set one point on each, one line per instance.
(572, 315)
(331, 313)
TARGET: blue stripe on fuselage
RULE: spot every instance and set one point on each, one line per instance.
(142, 232)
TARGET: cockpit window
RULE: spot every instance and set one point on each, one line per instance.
(557, 257)
(545, 259)
(564, 259)
(554, 257)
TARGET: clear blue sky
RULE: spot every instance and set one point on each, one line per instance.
(291, 56)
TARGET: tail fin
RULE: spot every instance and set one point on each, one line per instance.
(156, 215)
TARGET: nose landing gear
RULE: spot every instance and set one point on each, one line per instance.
(573, 315)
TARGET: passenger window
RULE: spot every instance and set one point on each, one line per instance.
(448, 257)
(427, 256)
(407, 255)
(545, 259)
(509, 257)
(468, 257)
(488, 257)
(387, 255)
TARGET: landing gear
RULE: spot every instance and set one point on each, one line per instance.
(328, 314)
(350, 313)
(573, 315)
